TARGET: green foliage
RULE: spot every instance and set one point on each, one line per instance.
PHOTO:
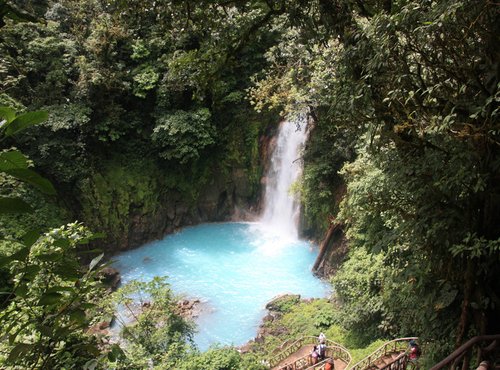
(357, 287)
(285, 304)
(145, 78)
(412, 222)
(70, 116)
(13, 123)
(183, 136)
(220, 358)
(140, 51)
(322, 189)
(475, 247)
(46, 317)
(310, 318)
(43, 214)
(110, 197)
(15, 164)
(157, 334)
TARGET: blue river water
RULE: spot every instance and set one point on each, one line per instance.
(233, 268)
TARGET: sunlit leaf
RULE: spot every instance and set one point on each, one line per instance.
(24, 121)
(13, 159)
(8, 114)
(95, 261)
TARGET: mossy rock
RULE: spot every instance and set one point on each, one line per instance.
(283, 303)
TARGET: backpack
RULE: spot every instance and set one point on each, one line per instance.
(321, 350)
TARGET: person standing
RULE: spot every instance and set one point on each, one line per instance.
(314, 355)
(414, 354)
(322, 338)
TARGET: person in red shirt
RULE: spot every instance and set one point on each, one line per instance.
(414, 354)
(330, 365)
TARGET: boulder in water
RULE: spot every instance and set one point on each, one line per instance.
(189, 308)
(110, 277)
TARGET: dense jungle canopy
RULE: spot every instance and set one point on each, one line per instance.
(138, 117)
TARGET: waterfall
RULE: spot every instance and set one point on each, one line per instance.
(281, 209)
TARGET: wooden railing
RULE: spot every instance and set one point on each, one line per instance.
(394, 346)
(462, 356)
(399, 363)
(304, 362)
(333, 349)
(334, 352)
(284, 351)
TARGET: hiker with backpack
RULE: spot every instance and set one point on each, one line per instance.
(321, 351)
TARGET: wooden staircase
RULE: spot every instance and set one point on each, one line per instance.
(296, 355)
(484, 351)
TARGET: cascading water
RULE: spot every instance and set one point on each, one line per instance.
(281, 209)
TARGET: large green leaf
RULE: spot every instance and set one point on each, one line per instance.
(21, 291)
(115, 353)
(50, 298)
(13, 205)
(8, 114)
(59, 288)
(31, 237)
(24, 121)
(30, 271)
(78, 316)
(19, 350)
(67, 272)
(31, 177)
(50, 257)
(13, 159)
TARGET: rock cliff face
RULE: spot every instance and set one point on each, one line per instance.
(135, 204)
